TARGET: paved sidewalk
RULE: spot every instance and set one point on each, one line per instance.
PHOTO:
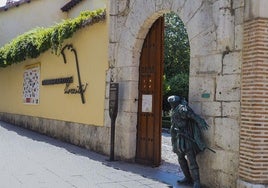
(28, 159)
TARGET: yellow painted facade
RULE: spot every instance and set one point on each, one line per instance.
(91, 44)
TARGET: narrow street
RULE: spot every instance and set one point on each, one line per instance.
(29, 159)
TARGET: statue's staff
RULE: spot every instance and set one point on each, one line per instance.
(192, 140)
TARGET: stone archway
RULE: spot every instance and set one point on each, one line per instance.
(214, 91)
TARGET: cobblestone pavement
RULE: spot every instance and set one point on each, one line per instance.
(169, 159)
(29, 160)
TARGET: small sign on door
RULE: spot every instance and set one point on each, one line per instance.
(147, 103)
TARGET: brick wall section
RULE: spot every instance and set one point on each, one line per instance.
(253, 165)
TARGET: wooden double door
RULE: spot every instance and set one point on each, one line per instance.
(149, 126)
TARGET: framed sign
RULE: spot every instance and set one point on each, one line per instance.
(147, 103)
(31, 83)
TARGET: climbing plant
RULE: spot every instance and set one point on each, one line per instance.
(31, 44)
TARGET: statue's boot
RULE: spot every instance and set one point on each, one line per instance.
(196, 178)
(187, 180)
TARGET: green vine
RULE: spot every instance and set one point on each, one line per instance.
(31, 44)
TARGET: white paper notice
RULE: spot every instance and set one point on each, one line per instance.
(147, 103)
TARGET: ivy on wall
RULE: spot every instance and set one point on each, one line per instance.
(31, 44)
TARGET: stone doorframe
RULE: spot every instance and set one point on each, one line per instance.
(214, 30)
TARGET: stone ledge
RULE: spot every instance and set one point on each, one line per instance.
(87, 136)
(243, 184)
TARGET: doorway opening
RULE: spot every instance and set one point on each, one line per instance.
(163, 71)
(175, 80)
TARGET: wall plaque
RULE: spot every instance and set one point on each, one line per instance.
(53, 81)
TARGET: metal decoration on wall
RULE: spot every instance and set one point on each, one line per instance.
(76, 90)
(81, 88)
(65, 80)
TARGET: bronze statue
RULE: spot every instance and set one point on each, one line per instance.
(186, 138)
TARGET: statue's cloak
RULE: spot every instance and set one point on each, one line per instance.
(187, 136)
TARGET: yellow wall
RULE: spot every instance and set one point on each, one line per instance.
(91, 44)
(38, 13)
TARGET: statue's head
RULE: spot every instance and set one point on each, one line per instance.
(174, 100)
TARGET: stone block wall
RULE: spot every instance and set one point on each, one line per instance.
(215, 90)
(215, 31)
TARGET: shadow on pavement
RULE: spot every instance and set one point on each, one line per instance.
(149, 172)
